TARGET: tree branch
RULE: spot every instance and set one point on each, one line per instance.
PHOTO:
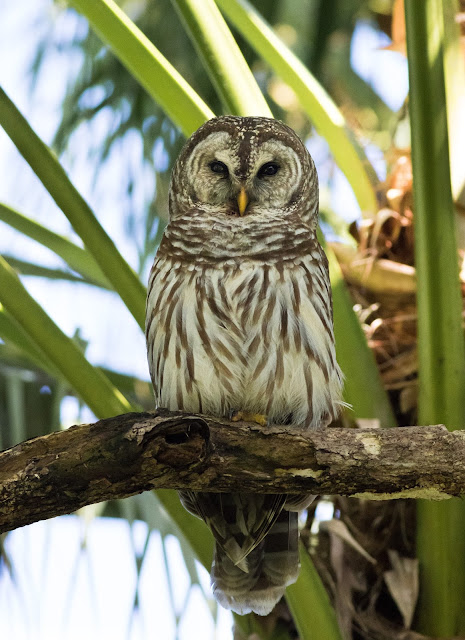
(118, 457)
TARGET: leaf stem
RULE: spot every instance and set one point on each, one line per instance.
(315, 101)
(441, 349)
(222, 58)
(54, 178)
(93, 387)
(145, 62)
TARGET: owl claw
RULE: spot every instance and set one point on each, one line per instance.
(249, 417)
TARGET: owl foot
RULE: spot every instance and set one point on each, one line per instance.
(249, 417)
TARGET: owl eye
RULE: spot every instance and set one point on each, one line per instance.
(268, 169)
(219, 167)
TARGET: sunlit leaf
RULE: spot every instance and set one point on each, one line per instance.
(441, 348)
(77, 258)
(313, 98)
(222, 58)
(54, 178)
(146, 63)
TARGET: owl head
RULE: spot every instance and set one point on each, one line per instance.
(245, 168)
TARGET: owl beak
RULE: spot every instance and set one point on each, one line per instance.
(242, 201)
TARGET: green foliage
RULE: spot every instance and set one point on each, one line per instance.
(355, 359)
(26, 326)
(313, 99)
(77, 258)
(441, 348)
(222, 58)
(92, 386)
(52, 175)
(185, 108)
(300, 597)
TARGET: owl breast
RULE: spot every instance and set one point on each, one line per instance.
(244, 336)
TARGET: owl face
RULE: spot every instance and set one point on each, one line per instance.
(243, 168)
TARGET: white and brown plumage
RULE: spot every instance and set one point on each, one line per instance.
(239, 318)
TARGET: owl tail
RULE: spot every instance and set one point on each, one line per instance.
(257, 582)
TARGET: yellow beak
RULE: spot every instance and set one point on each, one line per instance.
(242, 201)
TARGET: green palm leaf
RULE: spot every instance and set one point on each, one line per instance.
(441, 348)
(313, 98)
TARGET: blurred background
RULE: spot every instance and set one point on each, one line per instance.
(123, 570)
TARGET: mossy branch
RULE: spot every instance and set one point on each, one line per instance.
(60, 472)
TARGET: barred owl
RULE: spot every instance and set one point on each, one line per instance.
(239, 324)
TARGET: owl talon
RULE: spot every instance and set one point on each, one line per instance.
(249, 417)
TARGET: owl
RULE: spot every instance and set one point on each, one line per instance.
(239, 325)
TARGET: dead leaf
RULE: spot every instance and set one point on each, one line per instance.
(346, 583)
(339, 529)
(402, 582)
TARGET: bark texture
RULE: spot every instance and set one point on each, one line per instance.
(118, 457)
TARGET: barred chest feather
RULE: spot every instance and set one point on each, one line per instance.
(244, 335)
